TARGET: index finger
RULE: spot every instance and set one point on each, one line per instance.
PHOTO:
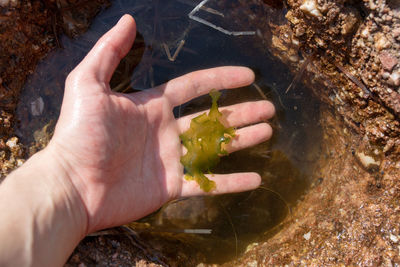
(184, 88)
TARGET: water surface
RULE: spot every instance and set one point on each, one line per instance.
(230, 222)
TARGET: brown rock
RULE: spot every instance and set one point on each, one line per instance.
(381, 42)
(388, 61)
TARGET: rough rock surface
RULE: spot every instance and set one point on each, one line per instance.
(28, 31)
(27, 34)
(348, 217)
(350, 51)
(123, 247)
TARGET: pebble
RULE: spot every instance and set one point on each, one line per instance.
(349, 24)
(367, 161)
(20, 162)
(37, 107)
(294, 58)
(385, 75)
(388, 18)
(307, 236)
(310, 8)
(381, 43)
(394, 79)
(360, 43)
(372, 6)
(394, 238)
(388, 61)
(320, 42)
(365, 33)
(12, 142)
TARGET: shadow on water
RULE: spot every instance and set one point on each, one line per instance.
(230, 222)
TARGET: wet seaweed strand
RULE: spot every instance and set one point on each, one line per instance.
(204, 141)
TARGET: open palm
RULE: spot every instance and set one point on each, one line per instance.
(122, 151)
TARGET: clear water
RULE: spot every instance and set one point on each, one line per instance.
(285, 162)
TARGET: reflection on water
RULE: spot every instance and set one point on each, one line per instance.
(170, 45)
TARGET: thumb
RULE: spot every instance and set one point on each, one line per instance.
(93, 74)
(102, 60)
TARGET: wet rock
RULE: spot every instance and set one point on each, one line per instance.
(37, 107)
(77, 16)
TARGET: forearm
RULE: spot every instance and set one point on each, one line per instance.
(43, 218)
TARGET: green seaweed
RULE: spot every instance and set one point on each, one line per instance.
(205, 141)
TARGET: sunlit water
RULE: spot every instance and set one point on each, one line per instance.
(229, 222)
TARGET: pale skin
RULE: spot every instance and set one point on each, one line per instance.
(114, 158)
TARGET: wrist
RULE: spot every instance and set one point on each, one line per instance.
(44, 212)
(62, 190)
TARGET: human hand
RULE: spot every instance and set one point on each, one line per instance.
(122, 151)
